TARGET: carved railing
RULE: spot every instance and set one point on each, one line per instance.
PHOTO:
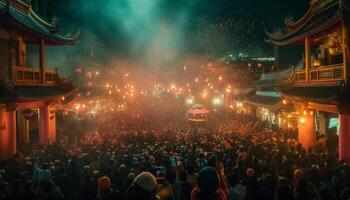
(320, 74)
(32, 76)
(300, 76)
(327, 73)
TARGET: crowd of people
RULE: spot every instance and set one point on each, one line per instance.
(132, 157)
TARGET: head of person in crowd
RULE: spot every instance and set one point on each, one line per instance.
(208, 183)
(105, 190)
(298, 176)
(250, 172)
(144, 187)
(104, 184)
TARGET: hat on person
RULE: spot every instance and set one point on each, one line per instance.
(45, 176)
(131, 175)
(146, 181)
(208, 180)
(250, 172)
(104, 183)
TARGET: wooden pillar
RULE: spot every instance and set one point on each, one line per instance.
(22, 52)
(42, 59)
(47, 126)
(7, 134)
(307, 58)
(11, 56)
(22, 128)
(323, 124)
(345, 43)
(344, 137)
(306, 129)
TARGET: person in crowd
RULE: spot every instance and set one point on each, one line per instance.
(144, 187)
(267, 161)
(184, 187)
(284, 192)
(208, 186)
(28, 193)
(105, 190)
(236, 190)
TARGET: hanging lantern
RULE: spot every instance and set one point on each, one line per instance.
(28, 113)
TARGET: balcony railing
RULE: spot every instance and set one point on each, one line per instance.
(321, 74)
(32, 76)
(300, 76)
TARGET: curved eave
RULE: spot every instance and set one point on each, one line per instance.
(29, 23)
(274, 79)
(50, 38)
(312, 10)
(272, 103)
(294, 25)
(320, 23)
(325, 95)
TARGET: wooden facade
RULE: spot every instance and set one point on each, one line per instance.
(24, 88)
(322, 84)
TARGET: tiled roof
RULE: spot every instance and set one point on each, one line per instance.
(31, 22)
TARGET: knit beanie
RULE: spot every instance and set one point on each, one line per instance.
(208, 180)
(104, 183)
(146, 181)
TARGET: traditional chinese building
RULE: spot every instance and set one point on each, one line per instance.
(27, 90)
(322, 86)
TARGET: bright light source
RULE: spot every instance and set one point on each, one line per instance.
(77, 107)
(302, 120)
(228, 90)
(189, 101)
(217, 101)
(172, 86)
(220, 78)
(97, 73)
(284, 101)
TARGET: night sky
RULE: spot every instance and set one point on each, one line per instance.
(139, 28)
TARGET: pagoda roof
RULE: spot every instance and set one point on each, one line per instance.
(264, 101)
(322, 16)
(20, 16)
(275, 79)
(323, 94)
(22, 94)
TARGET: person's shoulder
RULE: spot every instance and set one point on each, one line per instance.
(222, 195)
(194, 193)
(117, 194)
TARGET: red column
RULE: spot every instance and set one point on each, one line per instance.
(344, 137)
(306, 130)
(52, 127)
(47, 126)
(7, 134)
